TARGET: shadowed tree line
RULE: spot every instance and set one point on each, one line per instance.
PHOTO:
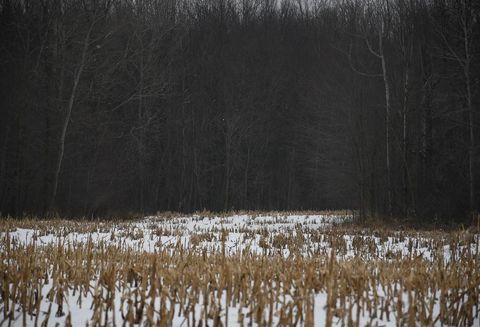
(116, 106)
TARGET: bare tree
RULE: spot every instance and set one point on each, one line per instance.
(460, 48)
(68, 113)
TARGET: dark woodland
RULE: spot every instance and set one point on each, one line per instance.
(111, 107)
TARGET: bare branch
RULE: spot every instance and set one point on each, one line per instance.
(371, 49)
(349, 56)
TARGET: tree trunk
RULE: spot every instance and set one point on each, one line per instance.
(381, 55)
(406, 178)
(227, 168)
(387, 118)
(245, 190)
(68, 115)
(3, 166)
(471, 148)
(141, 137)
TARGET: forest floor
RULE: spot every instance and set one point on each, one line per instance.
(251, 269)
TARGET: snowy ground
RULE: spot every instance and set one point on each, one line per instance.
(240, 233)
(262, 235)
(269, 236)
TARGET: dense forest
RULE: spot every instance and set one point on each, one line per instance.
(116, 106)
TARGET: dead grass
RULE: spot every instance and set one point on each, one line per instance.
(267, 289)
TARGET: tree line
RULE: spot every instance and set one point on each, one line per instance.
(116, 106)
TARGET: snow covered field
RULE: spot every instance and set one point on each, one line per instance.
(264, 270)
